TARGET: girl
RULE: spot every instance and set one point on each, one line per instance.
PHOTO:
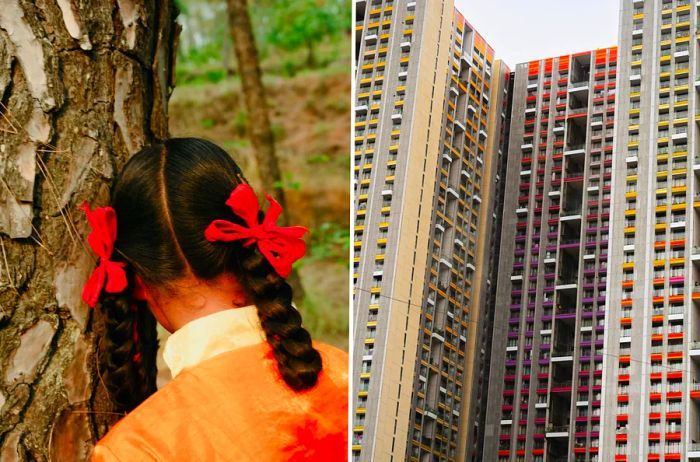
(185, 244)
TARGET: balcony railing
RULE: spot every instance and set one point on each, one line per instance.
(575, 147)
(579, 84)
(558, 429)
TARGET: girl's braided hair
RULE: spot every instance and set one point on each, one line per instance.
(164, 199)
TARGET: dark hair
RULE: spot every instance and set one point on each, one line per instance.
(164, 199)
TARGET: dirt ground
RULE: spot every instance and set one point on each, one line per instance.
(311, 119)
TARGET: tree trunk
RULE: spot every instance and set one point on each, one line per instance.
(259, 128)
(261, 135)
(311, 54)
(83, 85)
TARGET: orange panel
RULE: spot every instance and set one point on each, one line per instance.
(564, 63)
(459, 19)
(479, 43)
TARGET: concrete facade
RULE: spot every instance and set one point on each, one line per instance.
(650, 404)
(547, 351)
(430, 106)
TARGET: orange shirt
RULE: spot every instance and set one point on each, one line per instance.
(235, 406)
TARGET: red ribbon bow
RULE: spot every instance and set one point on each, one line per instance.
(108, 274)
(281, 246)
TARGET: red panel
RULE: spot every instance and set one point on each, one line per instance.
(548, 66)
(533, 68)
(600, 55)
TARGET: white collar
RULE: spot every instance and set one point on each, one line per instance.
(212, 335)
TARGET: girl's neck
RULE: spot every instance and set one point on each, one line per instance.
(191, 298)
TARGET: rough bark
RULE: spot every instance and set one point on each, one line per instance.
(261, 136)
(83, 85)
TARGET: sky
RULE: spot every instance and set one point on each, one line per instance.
(525, 30)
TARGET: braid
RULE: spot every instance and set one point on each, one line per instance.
(297, 360)
(127, 366)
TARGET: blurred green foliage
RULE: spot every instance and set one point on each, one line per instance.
(318, 159)
(292, 35)
(330, 240)
(304, 24)
(240, 122)
(288, 182)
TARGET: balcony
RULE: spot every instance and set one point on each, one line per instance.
(695, 255)
(681, 54)
(577, 111)
(558, 431)
(561, 387)
(694, 348)
(574, 149)
(466, 59)
(694, 448)
(569, 242)
(371, 38)
(565, 355)
(579, 85)
(695, 391)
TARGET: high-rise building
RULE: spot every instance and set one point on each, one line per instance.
(430, 115)
(546, 363)
(651, 404)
